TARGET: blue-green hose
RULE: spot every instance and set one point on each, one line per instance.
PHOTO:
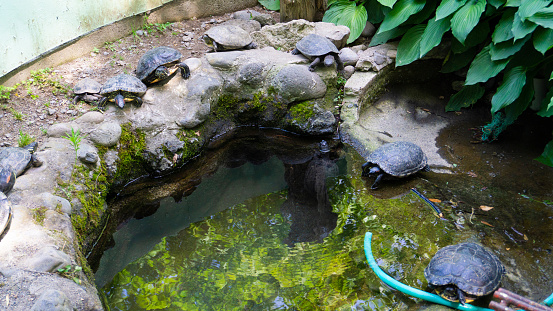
(548, 301)
(411, 290)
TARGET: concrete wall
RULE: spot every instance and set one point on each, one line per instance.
(36, 34)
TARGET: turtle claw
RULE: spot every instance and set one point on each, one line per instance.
(185, 70)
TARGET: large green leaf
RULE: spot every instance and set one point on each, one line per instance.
(496, 3)
(522, 28)
(448, 7)
(466, 97)
(402, 10)
(543, 39)
(375, 11)
(347, 13)
(478, 35)
(335, 11)
(503, 29)
(543, 17)
(511, 88)
(408, 49)
(483, 68)
(273, 5)
(388, 3)
(383, 37)
(423, 15)
(456, 61)
(547, 156)
(547, 105)
(512, 3)
(505, 49)
(433, 33)
(466, 18)
(530, 7)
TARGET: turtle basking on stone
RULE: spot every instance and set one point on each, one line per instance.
(228, 37)
(5, 213)
(122, 88)
(398, 159)
(319, 49)
(87, 90)
(159, 64)
(464, 272)
(19, 158)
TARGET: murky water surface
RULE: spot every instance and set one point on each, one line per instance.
(284, 231)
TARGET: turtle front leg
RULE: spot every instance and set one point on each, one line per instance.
(184, 70)
(215, 47)
(314, 64)
(102, 104)
(377, 181)
(138, 101)
(295, 51)
(251, 46)
(339, 63)
(77, 99)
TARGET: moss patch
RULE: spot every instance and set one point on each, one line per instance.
(39, 214)
(302, 111)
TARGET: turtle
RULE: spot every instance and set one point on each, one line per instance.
(5, 213)
(160, 63)
(397, 159)
(120, 89)
(19, 158)
(87, 90)
(464, 272)
(7, 178)
(319, 49)
(228, 37)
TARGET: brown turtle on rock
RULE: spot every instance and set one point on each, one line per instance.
(397, 159)
(228, 37)
(319, 49)
(464, 272)
(87, 90)
(122, 88)
(160, 63)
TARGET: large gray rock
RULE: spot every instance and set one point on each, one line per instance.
(106, 134)
(348, 57)
(52, 300)
(48, 259)
(248, 25)
(88, 154)
(297, 83)
(377, 57)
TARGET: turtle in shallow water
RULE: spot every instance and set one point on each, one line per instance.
(397, 159)
(160, 63)
(87, 90)
(464, 272)
(122, 88)
(319, 49)
(228, 37)
(5, 214)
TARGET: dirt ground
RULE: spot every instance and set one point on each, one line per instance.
(47, 97)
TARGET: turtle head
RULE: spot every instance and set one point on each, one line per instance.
(162, 72)
(207, 39)
(120, 100)
(329, 60)
(7, 178)
(370, 168)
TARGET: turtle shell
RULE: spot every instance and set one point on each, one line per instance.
(123, 83)
(230, 37)
(399, 159)
(469, 266)
(154, 58)
(5, 213)
(7, 179)
(19, 159)
(314, 45)
(87, 85)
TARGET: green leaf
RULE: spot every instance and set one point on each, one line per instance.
(513, 3)
(521, 29)
(496, 3)
(530, 7)
(547, 156)
(456, 61)
(475, 37)
(273, 5)
(503, 29)
(334, 12)
(510, 89)
(547, 105)
(433, 33)
(348, 14)
(448, 7)
(400, 13)
(466, 18)
(507, 48)
(543, 39)
(409, 46)
(388, 3)
(376, 12)
(383, 37)
(515, 109)
(423, 15)
(543, 17)
(466, 97)
(483, 68)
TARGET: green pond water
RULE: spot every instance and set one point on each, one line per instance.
(287, 234)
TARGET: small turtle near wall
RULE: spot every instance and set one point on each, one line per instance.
(464, 272)
(319, 49)
(122, 88)
(397, 159)
(159, 64)
(228, 37)
(87, 90)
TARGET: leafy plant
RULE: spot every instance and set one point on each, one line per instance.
(16, 114)
(24, 139)
(71, 272)
(75, 139)
(506, 39)
(273, 5)
(6, 91)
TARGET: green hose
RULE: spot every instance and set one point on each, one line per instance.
(548, 301)
(408, 289)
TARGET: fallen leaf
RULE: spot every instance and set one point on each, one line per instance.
(508, 248)
(525, 238)
(435, 200)
(485, 208)
(197, 133)
(175, 158)
(487, 224)
(472, 174)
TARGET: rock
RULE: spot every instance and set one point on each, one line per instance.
(369, 30)
(245, 14)
(111, 158)
(60, 223)
(297, 83)
(59, 130)
(107, 134)
(224, 61)
(348, 57)
(93, 117)
(252, 74)
(48, 259)
(248, 25)
(348, 71)
(52, 300)
(377, 57)
(87, 154)
(193, 63)
(264, 19)
(53, 202)
(337, 34)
